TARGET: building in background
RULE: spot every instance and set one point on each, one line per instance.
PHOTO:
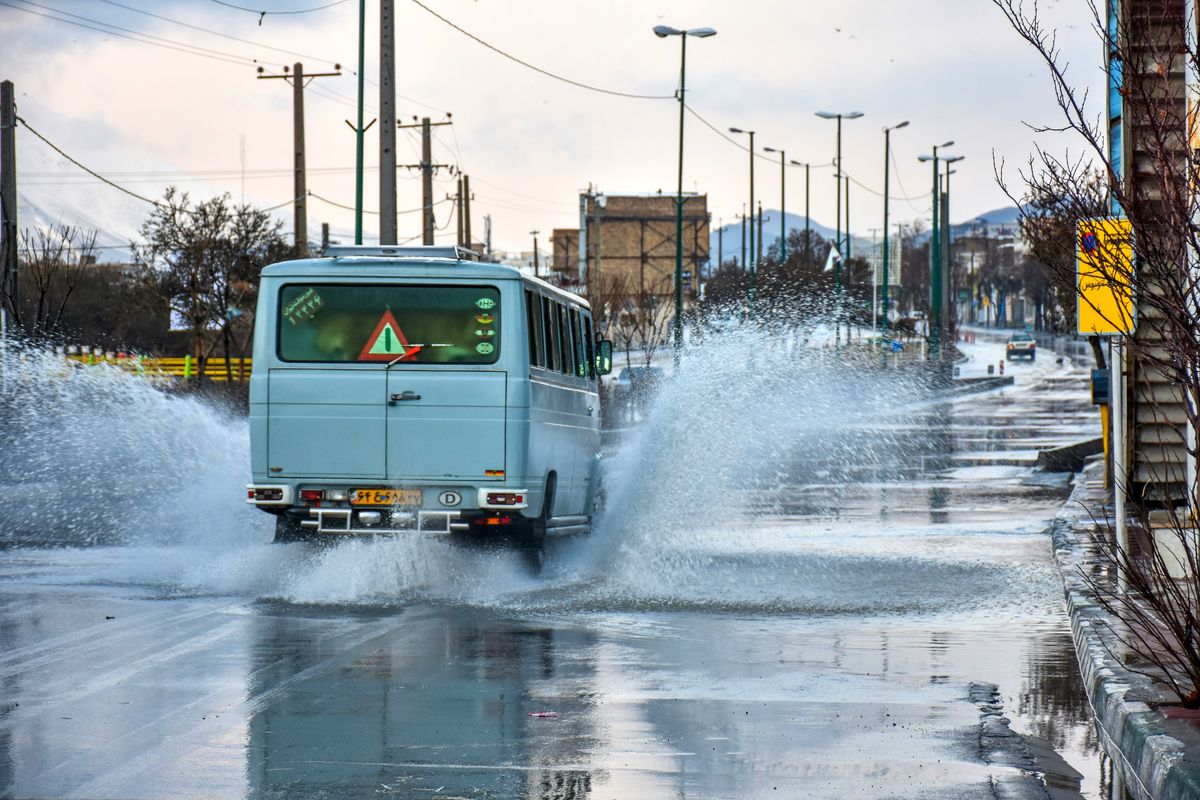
(626, 243)
(564, 246)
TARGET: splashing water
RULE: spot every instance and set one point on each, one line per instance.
(701, 510)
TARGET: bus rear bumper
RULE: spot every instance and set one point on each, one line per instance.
(371, 522)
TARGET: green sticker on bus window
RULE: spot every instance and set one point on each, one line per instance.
(303, 308)
(485, 303)
(485, 348)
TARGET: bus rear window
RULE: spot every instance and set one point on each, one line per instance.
(383, 323)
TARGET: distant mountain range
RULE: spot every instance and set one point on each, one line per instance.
(995, 219)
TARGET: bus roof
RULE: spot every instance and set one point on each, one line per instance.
(425, 267)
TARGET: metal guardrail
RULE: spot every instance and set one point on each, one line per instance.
(187, 367)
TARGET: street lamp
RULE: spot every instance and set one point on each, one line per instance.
(662, 32)
(753, 261)
(838, 180)
(804, 164)
(782, 204)
(887, 154)
(935, 255)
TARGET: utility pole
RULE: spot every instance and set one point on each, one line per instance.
(758, 255)
(458, 203)
(324, 238)
(535, 252)
(427, 167)
(743, 216)
(426, 182)
(8, 191)
(299, 179)
(466, 184)
(387, 123)
(720, 244)
(487, 236)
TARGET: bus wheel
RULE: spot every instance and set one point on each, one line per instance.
(288, 530)
(536, 535)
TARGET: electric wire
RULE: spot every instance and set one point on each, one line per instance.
(367, 211)
(21, 120)
(263, 13)
(88, 170)
(539, 70)
(129, 33)
(218, 33)
(900, 183)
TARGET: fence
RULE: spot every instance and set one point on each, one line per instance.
(186, 367)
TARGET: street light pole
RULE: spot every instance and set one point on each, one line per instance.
(838, 180)
(807, 244)
(663, 31)
(887, 153)
(358, 132)
(752, 257)
(934, 316)
(782, 204)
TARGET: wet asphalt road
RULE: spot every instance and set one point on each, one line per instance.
(832, 638)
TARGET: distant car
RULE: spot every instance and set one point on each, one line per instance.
(1022, 345)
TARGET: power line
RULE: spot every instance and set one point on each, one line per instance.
(863, 186)
(107, 181)
(217, 33)
(262, 13)
(537, 69)
(366, 211)
(89, 171)
(137, 36)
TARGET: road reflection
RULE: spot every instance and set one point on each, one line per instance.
(443, 709)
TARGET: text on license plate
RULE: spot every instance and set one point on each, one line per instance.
(385, 497)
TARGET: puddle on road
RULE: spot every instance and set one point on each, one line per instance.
(768, 485)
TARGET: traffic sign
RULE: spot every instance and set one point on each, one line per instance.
(387, 342)
(1104, 276)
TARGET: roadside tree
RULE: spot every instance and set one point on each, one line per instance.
(203, 260)
(1157, 609)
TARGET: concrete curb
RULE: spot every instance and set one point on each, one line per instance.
(1158, 759)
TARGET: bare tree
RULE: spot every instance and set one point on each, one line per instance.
(1159, 613)
(203, 260)
(51, 263)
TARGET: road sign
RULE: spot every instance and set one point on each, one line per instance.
(387, 342)
(1104, 276)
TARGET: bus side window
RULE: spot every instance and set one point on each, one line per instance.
(589, 342)
(551, 334)
(564, 338)
(581, 369)
(536, 334)
(530, 326)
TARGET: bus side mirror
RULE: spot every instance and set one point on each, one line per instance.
(603, 356)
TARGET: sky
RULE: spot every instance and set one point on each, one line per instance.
(143, 106)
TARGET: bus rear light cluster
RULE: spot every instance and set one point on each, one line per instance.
(312, 495)
(507, 499)
(269, 495)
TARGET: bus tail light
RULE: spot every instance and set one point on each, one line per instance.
(312, 495)
(268, 495)
(502, 498)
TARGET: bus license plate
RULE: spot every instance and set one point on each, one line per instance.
(386, 497)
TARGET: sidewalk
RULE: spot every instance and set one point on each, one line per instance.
(1154, 757)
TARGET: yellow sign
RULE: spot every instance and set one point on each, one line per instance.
(1104, 276)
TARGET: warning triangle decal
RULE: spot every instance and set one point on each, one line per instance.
(387, 342)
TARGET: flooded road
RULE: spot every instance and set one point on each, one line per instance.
(825, 603)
